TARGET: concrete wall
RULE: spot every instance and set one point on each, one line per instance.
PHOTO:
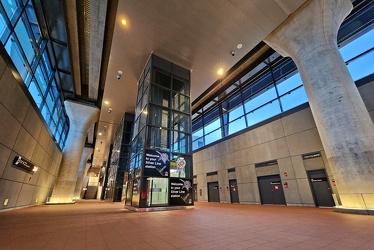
(285, 140)
(23, 133)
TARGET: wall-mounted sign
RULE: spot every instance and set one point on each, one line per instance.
(156, 163)
(25, 164)
(312, 155)
(181, 192)
(265, 164)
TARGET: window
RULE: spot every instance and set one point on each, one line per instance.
(274, 86)
(22, 39)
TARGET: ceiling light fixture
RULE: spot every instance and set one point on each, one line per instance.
(100, 134)
(220, 71)
(123, 21)
(106, 102)
(239, 46)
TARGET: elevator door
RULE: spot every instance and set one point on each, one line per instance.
(321, 188)
(271, 190)
(213, 192)
(234, 191)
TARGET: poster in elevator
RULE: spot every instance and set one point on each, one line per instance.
(181, 192)
(156, 163)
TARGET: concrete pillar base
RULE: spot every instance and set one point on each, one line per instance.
(354, 211)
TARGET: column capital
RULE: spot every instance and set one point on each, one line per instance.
(81, 116)
(314, 24)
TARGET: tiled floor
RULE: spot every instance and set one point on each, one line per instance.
(100, 225)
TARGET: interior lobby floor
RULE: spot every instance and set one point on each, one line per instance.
(99, 225)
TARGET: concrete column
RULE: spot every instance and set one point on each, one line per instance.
(81, 172)
(309, 36)
(81, 118)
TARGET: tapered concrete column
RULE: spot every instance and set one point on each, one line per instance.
(309, 36)
(81, 118)
(81, 172)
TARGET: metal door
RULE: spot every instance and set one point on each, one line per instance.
(321, 188)
(234, 191)
(271, 190)
(213, 192)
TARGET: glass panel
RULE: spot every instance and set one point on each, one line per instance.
(289, 84)
(237, 125)
(293, 99)
(139, 95)
(160, 96)
(33, 21)
(235, 113)
(212, 126)
(35, 93)
(197, 124)
(42, 81)
(55, 116)
(159, 117)
(263, 97)
(214, 136)
(158, 138)
(162, 79)
(24, 39)
(4, 31)
(197, 134)
(145, 97)
(181, 142)
(147, 79)
(198, 143)
(181, 103)
(263, 113)
(49, 101)
(157, 191)
(143, 118)
(180, 86)
(10, 7)
(141, 140)
(16, 55)
(181, 122)
(47, 64)
(358, 46)
(362, 66)
(46, 114)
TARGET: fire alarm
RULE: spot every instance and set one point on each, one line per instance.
(285, 173)
(285, 185)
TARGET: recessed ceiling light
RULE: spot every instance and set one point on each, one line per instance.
(123, 21)
(239, 46)
(100, 134)
(220, 71)
(97, 148)
(106, 102)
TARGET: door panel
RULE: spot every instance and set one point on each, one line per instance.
(271, 190)
(213, 192)
(321, 188)
(234, 191)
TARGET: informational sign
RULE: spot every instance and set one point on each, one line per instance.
(25, 164)
(181, 192)
(156, 163)
(312, 155)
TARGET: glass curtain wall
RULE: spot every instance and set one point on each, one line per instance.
(31, 55)
(274, 86)
(160, 171)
